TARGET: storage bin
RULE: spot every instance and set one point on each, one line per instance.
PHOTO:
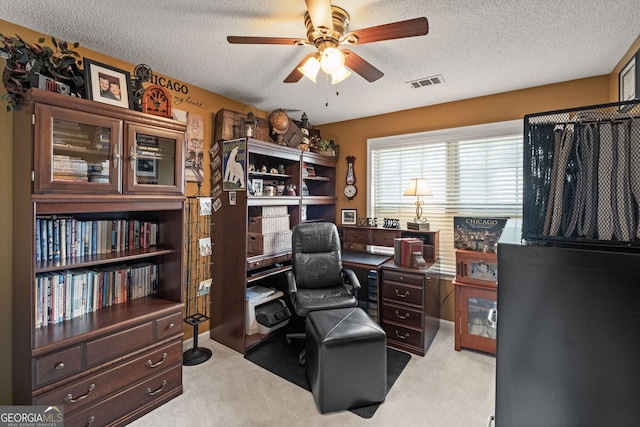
(267, 225)
(269, 243)
(268, 211)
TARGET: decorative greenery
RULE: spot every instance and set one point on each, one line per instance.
(25, 61)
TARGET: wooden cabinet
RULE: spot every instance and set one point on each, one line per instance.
(476, 299)
(359, 238)
(409, 306)
(98, 258)
(246, 251)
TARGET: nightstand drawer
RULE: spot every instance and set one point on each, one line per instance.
(58, 365)
(403, 294)
(402, 314)
(406, 336)
(403, 277)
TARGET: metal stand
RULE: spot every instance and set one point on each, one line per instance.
(196, 355)
(198, 271)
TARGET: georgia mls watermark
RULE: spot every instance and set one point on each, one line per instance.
(31, 416)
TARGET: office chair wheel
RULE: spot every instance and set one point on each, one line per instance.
(302, 358)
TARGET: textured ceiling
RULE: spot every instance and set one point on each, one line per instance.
(479, 47)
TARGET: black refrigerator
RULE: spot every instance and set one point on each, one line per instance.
(568, 340)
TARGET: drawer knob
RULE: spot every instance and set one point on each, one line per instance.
(150, 364)
(170, 326)
(398, 294)
(399, 316)
(402, 337)
(91, 420)
(69, 397)
(402, 278)
(428, 279)
(158, 390)
(59, 366)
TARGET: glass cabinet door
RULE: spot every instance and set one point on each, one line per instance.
(155, 160)
(479, 318)
(78, 152)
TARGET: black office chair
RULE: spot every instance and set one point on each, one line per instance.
(317, 280)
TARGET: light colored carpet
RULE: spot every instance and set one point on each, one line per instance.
(445, 388)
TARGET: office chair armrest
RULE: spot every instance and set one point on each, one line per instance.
(351, 278)
(291, 285)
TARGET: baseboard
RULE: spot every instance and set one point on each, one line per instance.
(188, 344)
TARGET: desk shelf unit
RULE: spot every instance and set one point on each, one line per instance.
(240, 262)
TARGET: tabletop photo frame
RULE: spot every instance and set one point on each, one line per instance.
(107, 84)
(349, 217)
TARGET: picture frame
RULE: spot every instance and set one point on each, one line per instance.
(629, 79)
(257, 186)
(147, 167)
(103, 82)
(349, 217)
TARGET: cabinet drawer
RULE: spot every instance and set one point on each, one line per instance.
(383, 237)
(402, 314)
(168, 326)
(406, 336)
(351, 235)
(86, 391)
(129, 400)
(103, 349)
(407, 294)
(402, 277)
(58, 365)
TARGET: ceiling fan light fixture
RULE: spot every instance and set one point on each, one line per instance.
(339, 75)
(331, 60)
(310, 68)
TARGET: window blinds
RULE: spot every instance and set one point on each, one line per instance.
(472, 171)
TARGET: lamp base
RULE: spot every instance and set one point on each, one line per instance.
(421, 226)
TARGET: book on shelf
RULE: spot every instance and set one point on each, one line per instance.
(403, 249)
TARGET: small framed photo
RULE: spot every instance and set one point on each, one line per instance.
(256, 184)
(148, 168)
(107, 84)
(349, 216)
(629, 79)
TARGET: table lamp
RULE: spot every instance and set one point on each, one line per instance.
(418, 187)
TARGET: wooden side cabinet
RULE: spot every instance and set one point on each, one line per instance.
(476, 301)
(409, 307)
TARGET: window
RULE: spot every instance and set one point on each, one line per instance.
(472, 171)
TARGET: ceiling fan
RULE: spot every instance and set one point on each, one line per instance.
(327, 31)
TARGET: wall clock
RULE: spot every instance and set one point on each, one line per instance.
(350, 189)
(156, 100)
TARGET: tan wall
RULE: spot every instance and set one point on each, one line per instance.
(197, 101)
(351, 135)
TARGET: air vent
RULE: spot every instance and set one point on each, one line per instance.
(426, 81)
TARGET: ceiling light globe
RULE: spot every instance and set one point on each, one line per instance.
(332, 59)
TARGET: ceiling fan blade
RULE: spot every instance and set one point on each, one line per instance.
(395, 30)
(362, 67)
(296, 75)
(265, 40)
(320, 14)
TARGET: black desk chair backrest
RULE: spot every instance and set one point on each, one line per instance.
(316, 258)
(317, 280)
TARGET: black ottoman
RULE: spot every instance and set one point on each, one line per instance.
(346, 359)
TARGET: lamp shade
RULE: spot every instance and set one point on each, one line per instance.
(418, 187)
(339, 75)
(331, 60)
(310, 68)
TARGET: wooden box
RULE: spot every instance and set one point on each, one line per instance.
(230, 125)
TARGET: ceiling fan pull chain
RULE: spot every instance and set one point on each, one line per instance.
(326, 90)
